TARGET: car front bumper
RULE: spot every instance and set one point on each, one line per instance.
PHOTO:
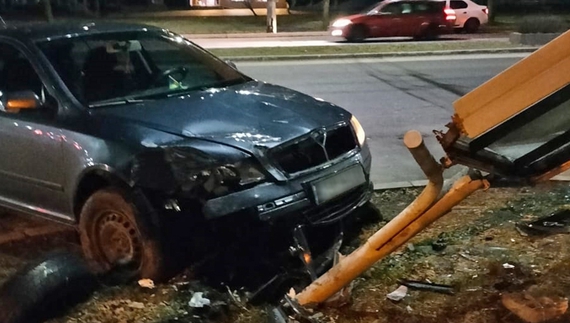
(270, 201)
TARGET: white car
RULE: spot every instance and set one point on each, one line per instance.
(470, 16)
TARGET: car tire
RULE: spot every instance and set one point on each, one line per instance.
(357, 33)
(429, 33)
(46, 288)
(116, 236)
(471, 25)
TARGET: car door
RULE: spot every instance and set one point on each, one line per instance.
(461, 11)
(387, 22)
(31, 175)
(410, 19)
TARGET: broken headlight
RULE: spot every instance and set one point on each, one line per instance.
(192, 168)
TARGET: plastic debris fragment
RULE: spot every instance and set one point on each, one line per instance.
(198, 300)
(398, 294)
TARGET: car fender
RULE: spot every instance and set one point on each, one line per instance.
(107, 173)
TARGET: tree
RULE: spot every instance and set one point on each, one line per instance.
(271, 16)
(326, 13)
(47, 10)
(491, 5)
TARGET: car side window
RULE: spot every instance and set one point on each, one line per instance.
(392, 9)
(406, 8)
(434, 6)
(17, 73)
(456, 4)
(420, 7)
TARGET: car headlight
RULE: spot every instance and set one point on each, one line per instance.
(191, 168)
(360, 134)
(342, 23)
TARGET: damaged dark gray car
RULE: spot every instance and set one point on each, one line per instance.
(132, 131)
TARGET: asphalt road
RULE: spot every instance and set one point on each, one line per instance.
(389, 97)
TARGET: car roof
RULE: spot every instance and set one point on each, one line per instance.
(392, 1)
(46, 31)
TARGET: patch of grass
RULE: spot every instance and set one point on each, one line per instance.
(387, 47)
(230, 25)
(542, 24)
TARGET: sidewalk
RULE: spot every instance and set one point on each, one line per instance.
(291, 34)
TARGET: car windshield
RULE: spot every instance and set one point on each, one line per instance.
(115, 68)
(373, 9)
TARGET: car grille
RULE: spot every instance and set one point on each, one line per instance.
(318, 148)
(337, 208)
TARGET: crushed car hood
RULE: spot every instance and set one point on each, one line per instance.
(243, 116)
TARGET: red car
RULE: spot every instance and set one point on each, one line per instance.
(421, 19)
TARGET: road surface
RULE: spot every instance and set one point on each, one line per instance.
(389, 97)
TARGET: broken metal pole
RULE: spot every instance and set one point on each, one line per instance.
(365, 256)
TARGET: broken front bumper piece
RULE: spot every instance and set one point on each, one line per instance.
(324, 196)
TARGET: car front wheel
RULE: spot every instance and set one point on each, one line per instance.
(357, 33)
(116, 237)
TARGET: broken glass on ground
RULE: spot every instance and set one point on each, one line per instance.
(554, 223)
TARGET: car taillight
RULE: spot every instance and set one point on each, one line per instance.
(486, 11)
(450, 14)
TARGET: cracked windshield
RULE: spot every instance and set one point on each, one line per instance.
(117, 68)
(280, 161)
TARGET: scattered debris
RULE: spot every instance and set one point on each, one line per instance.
(146, 283)
(534, 309)
(137, 305)
(521, 231)
(398, 294)
(277, 315)
(440, 244)
(557, 222)
(198, 300)
(289, 311)
(506, 265)
(409, 309)
(428, 286)
(468, 257)
(317, 316)
(341, 298)
(292, 293)
(236, 299)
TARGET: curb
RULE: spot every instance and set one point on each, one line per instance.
(380, 55)
(395, 185)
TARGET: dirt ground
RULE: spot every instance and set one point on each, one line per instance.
(480, 254)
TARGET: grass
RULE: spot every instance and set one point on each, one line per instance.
(223, 25)
(388, 47)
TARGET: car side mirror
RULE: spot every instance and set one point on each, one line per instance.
(232, 64)
(13, 102)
